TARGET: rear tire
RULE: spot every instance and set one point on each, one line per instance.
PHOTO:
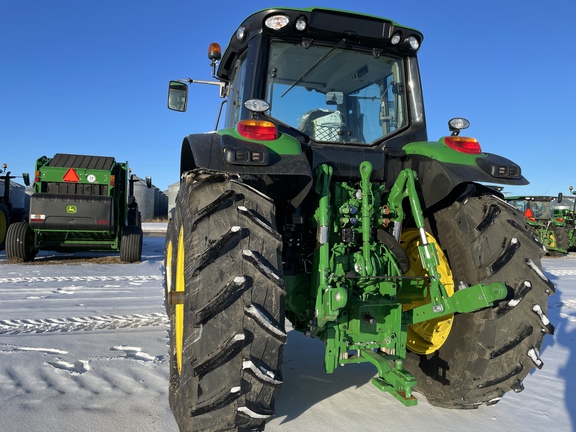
(491, 351)
(20, 242)
(131, 246)
(228, 335)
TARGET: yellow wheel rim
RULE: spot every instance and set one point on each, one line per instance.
(168, 269)
(428, 336)
(179, 308)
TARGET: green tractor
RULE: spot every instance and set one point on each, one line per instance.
(79, 203)
(563, 210)
(321, 201)
(8, 213)
(547, 226)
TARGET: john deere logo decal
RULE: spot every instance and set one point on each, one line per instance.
(70, 209)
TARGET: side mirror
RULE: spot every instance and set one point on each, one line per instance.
(148, 182)
(26, 178)
(177, 96)
(560, 196)
(334, 98)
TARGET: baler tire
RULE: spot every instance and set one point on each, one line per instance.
(131, 244)
(488, 352)
(4, 223)
(226, 250)
(20, 242)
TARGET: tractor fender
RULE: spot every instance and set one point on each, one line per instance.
(438, 178)
(208, 150)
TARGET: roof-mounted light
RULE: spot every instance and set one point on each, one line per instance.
(257, 105)
(414, 42)
(277, 22)
(301, 24)
(396, 38)
(240, 33)
(457, 124)
(214, 51)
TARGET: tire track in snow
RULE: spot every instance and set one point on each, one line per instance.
(95, 278)
(89, 323)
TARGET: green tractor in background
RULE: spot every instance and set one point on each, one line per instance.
(548, 226)
(79, 203)
(563, 209)
(321, 201)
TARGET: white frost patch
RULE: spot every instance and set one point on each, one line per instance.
(514, 302)
(125, 348)
(133, 352)
(263, 320)
(64, 291)
(535, 357)
(259, 222)
(543, 317)
(44, 350)
(262, 373)
(76, 368)
(35, 349)
(268, 270)
(253, 414)
(514, 240)
(494, 401)
(534, 267)
(239, 337)
(235, 389)
(235, 228)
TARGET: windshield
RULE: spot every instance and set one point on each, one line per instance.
(533, 209)
(336, 95)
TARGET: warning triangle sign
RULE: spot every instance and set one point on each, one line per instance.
(71, 176)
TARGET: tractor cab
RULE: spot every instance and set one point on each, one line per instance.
(360, 86)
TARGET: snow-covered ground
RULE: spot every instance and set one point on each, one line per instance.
(84, 344)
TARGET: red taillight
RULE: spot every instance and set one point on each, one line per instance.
(36, 176)
(71, 176)
(560, 219)
(463, 144)
(257, 129)
(112, 180)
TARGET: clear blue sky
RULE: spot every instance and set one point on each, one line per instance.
(91, 77)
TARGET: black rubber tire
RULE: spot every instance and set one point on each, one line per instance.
(233, 323)
(488, 352)
(20, 242)
(131, 244)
